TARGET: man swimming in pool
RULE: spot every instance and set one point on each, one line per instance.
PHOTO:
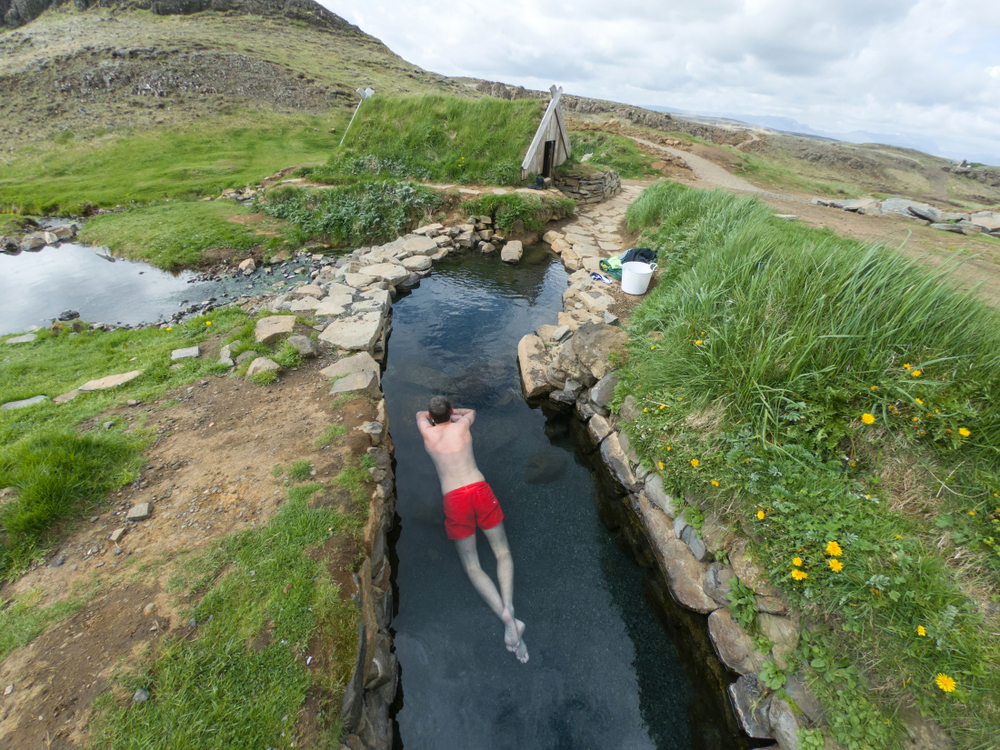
(469, 501)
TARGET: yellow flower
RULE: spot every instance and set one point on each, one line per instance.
(799, 575)
(695, 462)
(907, 365)
(699, 342)
(760, 515)
(867, 418)
(916, 373)
(921, 631)
(873, 388)
(208, 322)
(797, 562)
(645, 411)
(963, 432)
(833, 549)
(663, 406)
(972, 512)
(920, 402)
(661, 463)
(669, 448)
(169, 328)
(836, 565)
(916, 419)
(945, 682)
(715, 483)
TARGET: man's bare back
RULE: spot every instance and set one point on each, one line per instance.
(450, 447)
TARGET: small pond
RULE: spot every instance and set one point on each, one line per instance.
(36, 287)
(603, 671)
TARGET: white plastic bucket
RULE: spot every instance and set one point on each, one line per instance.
(636, 276)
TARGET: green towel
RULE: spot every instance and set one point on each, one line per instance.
(612, 267)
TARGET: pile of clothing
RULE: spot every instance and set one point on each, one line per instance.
(613, 266)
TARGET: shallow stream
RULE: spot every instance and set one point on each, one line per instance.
(603, 671)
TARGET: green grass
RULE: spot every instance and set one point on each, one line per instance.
(142, 166)
(507, 209)
(299, 471)
(331, 433)
(444, 138)
(776, 340)
(354, 214)
(24, 619)
(59, 471)
(265, 606)
(609, 152)
(177, 235)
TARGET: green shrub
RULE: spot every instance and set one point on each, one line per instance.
(506, 209)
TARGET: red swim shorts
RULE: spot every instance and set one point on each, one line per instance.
(469, 505)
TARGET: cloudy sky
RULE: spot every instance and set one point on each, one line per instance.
(918, 72)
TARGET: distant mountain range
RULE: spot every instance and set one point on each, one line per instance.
(794, 127)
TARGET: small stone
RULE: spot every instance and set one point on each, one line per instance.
(111, 381)
(141, 696)
(248, 266)
(262, 364)
(108, 425)
(561, 332)
(132, 402)
(139, 512)
(191, 352)
(25, 339)
(9, 689)
(117, 534)
(24, 402)
(148, 608)
(303, 345)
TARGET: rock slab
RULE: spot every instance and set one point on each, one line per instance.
(111, 381)
(270, 329)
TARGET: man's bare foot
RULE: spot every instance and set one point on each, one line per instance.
(513, 630)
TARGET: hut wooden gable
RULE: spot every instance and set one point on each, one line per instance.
(550, 146)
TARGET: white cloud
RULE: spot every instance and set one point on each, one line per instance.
(927, 68)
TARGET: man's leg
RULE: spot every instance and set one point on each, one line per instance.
(501, 605)
(514, 628)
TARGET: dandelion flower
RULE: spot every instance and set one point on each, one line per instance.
(907, 366)
(963, 432)
(663, 406)
(760, 515)
(972, 512)
(169, 328)
(833, 549)
(797, 562)
(873, 388)
(715, 483)
(920, 402)
(645, 411)
(695, 462)
(921, 631)
(208, 322)
(799, 575)
(916, 373)
(946, 683)
(661, 463)
(836, 565)
(699, 342)
(916, 419)
(867, 418)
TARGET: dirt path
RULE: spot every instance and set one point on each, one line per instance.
(208, 474)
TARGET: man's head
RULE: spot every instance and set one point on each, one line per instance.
(440, 410)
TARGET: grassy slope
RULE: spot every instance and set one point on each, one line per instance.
(777, 340)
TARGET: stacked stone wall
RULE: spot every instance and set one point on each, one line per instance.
(590, 188)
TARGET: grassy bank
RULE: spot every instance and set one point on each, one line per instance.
(838, 403)
(61, 473)
(111, 168)
(609, 151)
(272, 631)
(438, 138)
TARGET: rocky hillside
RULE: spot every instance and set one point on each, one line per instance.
(77, 69)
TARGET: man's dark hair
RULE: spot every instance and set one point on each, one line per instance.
(440, 409)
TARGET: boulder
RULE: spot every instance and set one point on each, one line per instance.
(750, 704)
(191, 352)
(306, 290)
(416, 244)
(23, 403)
(271, 329)
(303, 345)
(512, 252)
(598, 428)
(360, 280)
(658, 496)
(684, 574)
(716, 583)
(329, 308)
(551, 236)
(533, 362)
(357, 363)
(262, 364)
(358, 332)
(595, 302)
(487, 248)
(139, 512)
(783, 632)
(26, 338)
(585, 356)
(733, 645)
(391, 273)
(749, 572)
(111, 381)
(785, 724)
(948, 228)
(247, 266)
(560, 246)
(304, 304)
(604, 391)
(417, 263)
(923, 211)
(365, 381)
(32, 242)
(690, 537)
(614, 456)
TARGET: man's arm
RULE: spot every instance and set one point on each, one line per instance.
(469, 414)
(424, 421)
